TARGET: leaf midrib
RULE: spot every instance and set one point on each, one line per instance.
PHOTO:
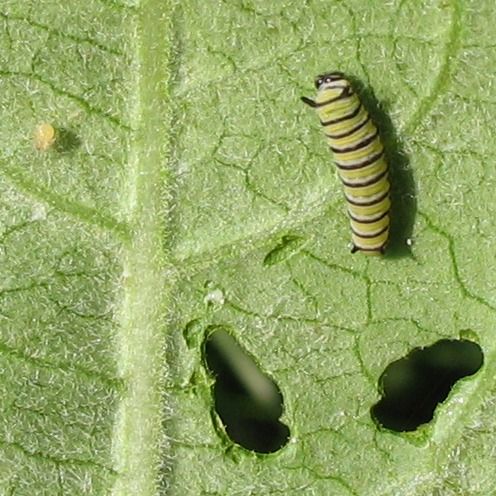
(137, 432)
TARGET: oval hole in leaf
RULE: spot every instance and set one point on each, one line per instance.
(248, 402)
(413, 386)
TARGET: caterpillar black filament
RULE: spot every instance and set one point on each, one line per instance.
(359, 157)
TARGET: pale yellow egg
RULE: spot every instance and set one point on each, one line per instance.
(44, 136)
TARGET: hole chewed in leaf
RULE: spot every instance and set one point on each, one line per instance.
(413, 386)
(247, 402)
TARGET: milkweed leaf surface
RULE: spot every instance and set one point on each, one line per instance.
(183, 158)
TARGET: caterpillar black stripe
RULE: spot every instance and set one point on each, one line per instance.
(359, 157)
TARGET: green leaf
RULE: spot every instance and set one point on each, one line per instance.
(188, 187)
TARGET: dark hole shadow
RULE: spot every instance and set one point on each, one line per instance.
(403, 190)
(413, 386)
(66, 140)
(248, 403)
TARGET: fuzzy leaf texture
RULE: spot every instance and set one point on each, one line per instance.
(189, 187)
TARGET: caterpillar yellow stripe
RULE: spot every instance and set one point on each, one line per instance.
(359, 157)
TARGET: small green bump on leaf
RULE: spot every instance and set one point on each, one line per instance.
(231, 451)
(193, 333)
(289, 246)
(214, 296)
(469, 335)
(196, 379)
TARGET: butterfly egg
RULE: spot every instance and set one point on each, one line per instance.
(44, 136)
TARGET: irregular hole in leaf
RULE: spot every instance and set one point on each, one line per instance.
(247, 402)
(413, 386)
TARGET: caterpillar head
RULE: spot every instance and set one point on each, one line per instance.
(334, 81)
(331, 80)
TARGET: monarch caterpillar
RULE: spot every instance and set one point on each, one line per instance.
(359, 157)
(44, 136)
